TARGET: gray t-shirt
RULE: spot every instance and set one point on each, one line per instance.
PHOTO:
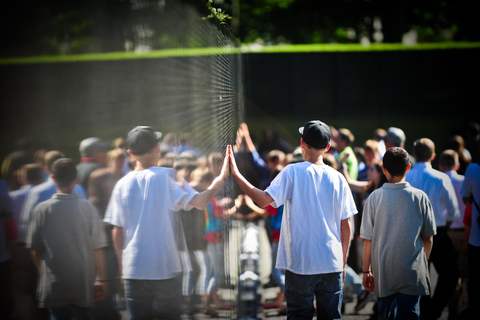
(395, 218)
(68, 230)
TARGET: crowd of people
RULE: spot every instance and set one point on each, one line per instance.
(175, 257)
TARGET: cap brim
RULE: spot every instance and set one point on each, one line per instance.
(158, 134)
(301, 130)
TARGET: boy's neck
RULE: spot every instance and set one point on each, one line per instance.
(66, 190)
(396, 179)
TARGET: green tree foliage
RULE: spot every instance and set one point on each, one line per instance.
(344, 21)
(33, 27)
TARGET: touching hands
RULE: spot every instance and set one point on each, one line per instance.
(231, 160)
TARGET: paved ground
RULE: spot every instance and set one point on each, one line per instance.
(270, 293)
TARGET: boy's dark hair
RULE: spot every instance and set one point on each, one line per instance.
(64, 172)
(395, 161)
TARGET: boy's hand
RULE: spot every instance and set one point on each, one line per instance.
(368, 282)
(231, 160)
(225, 168)
(99, 291)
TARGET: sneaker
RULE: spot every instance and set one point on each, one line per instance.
(362, 300)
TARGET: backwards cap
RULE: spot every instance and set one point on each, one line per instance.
(142, 139)
(316, 134)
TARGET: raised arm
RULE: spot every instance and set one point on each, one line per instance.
(200, 200)
(260, 197)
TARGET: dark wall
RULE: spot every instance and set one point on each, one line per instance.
(426, 93)
(355, 83)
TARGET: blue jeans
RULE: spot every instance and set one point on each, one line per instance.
(70, 311)
(301, 289)
(399, 306)
(151, 299)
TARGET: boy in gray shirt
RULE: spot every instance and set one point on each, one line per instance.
(398, 226)
(65, 236)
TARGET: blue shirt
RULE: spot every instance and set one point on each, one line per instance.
(440, 191)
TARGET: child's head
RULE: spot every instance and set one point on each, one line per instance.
(396, 161)
(142, 139)
(316, 134)
(448, 160)
(424, 150)
(64, 172)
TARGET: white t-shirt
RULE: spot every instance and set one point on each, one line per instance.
(143, 204)
(471, 186)
(316, 199)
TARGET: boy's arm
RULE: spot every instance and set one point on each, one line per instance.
(427, 245)
(200, 200)
(345, 235)
(260, 197)
(368, 280)
(118, 243)
(100, 286)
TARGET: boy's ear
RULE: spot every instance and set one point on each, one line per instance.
(384, 171)
(408, 167)
(328, 147)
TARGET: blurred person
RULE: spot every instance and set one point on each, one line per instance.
(440, 191)
(187, 143)
(371, 151)
(116, 161)
(29, 176)
(249, 159)
(65, 236)
(449, 163)
(214, 221)
(119, 143)
(344, 141)
(395, 137)
(93, 154)
(24, 149)
(378, 134)
(376, 179)
(362, 163)
(472, 140)
(457, 144)
(272, 140)
(100, 187)
(398, 226)
(195, 281)
(149, 256)
(471, 197)
(42, 192)
(6, 293)
(315, 233)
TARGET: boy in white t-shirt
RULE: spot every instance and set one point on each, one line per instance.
(142, 210)
(315, 232)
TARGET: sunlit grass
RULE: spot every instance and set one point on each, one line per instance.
(169, 53)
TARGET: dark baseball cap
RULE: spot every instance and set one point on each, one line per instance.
(142, 139)
(316, 134)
